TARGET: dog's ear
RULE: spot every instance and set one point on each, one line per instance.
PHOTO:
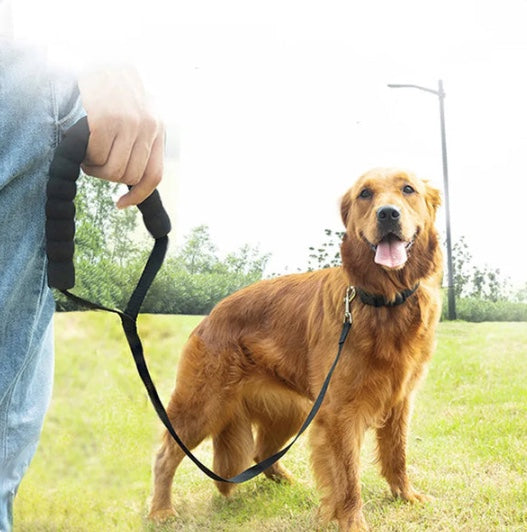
(433, 198)
(345, 206)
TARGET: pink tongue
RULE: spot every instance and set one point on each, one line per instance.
(391, 254)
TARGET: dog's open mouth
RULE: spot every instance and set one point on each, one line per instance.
(391, 251)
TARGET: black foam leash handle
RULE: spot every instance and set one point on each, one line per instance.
(60, 208)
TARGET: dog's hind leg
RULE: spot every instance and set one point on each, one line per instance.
(168, 459)
(277, 422)
(233, 450)
(195, 414)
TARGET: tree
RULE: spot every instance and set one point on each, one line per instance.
(326, 254)
(247, 261)
(198, 254)
(462, 266)
(521, 294)
(481, 282)
(103, 231)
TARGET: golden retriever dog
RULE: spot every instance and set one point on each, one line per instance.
(250, 371)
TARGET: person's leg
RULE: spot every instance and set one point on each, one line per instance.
(22, 409)
(36, 106)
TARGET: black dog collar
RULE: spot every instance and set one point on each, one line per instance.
(378, 300)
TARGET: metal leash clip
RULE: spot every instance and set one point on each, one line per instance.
(350, 296)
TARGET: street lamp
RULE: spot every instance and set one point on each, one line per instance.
(441, 95)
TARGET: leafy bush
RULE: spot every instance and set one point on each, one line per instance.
(179, 292)
(191, 281)
(478, 310)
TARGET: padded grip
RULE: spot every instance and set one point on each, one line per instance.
(155, 217)
(60, 209)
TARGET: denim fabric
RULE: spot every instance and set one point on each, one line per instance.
(36, 106)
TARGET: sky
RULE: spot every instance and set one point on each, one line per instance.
(274, 108)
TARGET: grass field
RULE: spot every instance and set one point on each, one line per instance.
(468, 442)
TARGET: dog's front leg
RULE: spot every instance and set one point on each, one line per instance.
(391, 443)
(335, 441)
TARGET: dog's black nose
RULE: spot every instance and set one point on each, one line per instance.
(388, 213)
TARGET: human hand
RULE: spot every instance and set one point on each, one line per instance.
(126, 142)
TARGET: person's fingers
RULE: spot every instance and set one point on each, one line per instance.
(100, 142)
(150, 129)
(151, 177)
(114, 168)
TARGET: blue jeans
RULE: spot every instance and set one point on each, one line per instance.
(36, 106)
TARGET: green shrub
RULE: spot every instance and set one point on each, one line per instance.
(478, 310)
(174, 291)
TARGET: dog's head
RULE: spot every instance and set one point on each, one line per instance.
(389, 217)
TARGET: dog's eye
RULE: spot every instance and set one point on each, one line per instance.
(366, 193)
(407, 189)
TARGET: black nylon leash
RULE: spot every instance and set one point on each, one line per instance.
(60, 231)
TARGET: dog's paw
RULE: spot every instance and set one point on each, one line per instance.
(416, 497)
(161, 516)
(411, 496)
(278, 473)
(355, 523)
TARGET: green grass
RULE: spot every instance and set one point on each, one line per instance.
(468, 442)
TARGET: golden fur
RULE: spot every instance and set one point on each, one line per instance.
(259, 359)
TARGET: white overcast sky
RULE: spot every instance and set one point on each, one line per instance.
(277, 106)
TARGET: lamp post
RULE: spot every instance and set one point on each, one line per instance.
(441, 96)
